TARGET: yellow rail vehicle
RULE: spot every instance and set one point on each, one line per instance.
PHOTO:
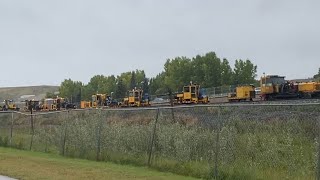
(99, 100)
(276, 87)
(309, 89)
(136, 98)
(85, 104)
(49, 104)
(191, 95)
(243, 93)
(9, 105)
(32, 105)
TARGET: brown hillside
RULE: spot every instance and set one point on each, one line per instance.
(16, 93)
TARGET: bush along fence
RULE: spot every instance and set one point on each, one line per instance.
(247, 141)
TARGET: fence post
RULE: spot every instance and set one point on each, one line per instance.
(153, 137)
(172, 104)
(11, 129)
(99, 136)
(65, 135)
(318, 160)
(32, 129)
(46, 139)
(217, 145)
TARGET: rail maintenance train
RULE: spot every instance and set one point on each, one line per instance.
(48, 104)
(191, 94)
(275, 87)
(272, 87)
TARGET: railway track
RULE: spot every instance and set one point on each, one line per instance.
(168, 106)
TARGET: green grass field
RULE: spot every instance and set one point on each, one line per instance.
(252, 143)
(34, 165)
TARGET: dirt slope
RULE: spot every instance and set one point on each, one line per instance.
(21, 93)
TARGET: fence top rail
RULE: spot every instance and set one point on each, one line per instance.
(169, 107)
(35, 113)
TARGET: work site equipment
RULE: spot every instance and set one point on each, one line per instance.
(32, 105)
(9, 105)
(63, 104)
(136, 98)
(242, 93)
(99, 100)
(85, 104)
(309, 89)
(276, 87)
(192, 93)
(49, 104)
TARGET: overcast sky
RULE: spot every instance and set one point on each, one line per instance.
(44, 42)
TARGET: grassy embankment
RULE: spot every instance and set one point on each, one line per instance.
(34, 165)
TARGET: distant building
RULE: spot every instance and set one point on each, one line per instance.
(27, 96)
(302, 80)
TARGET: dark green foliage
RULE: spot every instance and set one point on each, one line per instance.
(133, 83)
(317, 76)
(50, 95)
(207, 70)
(120, 89)
(145, 85)
(244, 72)
(4, 141)
(226, 73)
(156, 84)
(71, 90)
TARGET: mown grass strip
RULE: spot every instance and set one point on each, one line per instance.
(35, 165)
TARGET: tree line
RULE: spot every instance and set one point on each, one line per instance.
(207, 70)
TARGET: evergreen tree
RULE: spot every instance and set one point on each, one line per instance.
(133, 83)
(317, 76)
(244, 72)
(226, 73)
(121, 89)
(145, 85)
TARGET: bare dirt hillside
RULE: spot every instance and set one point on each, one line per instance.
(22, 93)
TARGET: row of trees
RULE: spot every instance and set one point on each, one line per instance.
(207, 70)
(115, 86)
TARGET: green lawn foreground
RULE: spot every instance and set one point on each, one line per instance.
(34, 165)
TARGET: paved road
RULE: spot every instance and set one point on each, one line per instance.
(5, 178)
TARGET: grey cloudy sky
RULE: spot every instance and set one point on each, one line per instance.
(44, 42)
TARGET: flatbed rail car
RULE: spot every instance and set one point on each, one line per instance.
(309, 89)
(242, 93)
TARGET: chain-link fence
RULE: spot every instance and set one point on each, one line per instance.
(221, 91)
(274, 141)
